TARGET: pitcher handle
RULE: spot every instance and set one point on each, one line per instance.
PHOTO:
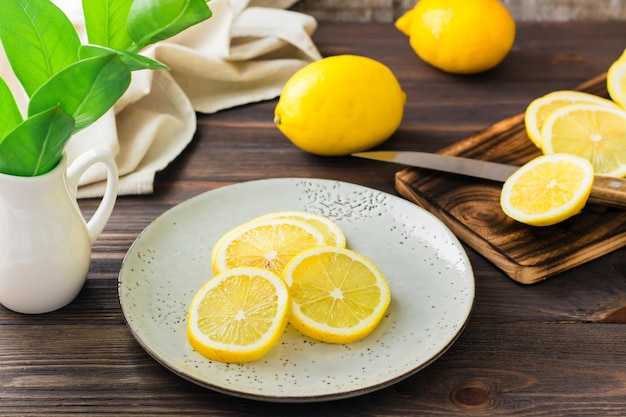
(96, 224)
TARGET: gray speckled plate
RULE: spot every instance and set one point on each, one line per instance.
(429, 274)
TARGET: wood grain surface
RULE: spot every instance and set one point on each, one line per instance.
(551, 349)
(471, 207)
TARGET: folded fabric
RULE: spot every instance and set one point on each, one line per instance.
(243, 54)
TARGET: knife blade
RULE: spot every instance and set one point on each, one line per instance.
(607, 191)
(494, 171)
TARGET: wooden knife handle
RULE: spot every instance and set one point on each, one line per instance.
(608, 191)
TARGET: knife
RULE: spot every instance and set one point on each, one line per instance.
(607, 191)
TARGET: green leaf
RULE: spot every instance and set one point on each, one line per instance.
(11, 116)
(39, 40)
(133, 61)
(86, 90)
(150, 21)
(36, 146)
(105, 21)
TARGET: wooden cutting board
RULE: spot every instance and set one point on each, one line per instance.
(471, 208)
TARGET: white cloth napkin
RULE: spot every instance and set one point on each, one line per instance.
(244, 53)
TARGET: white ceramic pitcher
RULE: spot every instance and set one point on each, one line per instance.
(45, 242)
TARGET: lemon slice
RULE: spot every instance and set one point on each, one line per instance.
(333, 234)
(539, 109)
(547, 190)
(338, 295)
(265, 244)
(593, 132)
(239, 315)
(616, 81)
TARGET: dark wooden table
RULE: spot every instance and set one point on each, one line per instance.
(557, 348)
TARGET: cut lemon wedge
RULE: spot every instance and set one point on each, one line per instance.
(548, 190)
(239, 315)
(596, 133)
(338, 295)
(265, 244)
(539, 109)
(616, 81)
(333, 234)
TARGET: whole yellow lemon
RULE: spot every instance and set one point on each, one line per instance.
(339, 105)
(459, 36)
